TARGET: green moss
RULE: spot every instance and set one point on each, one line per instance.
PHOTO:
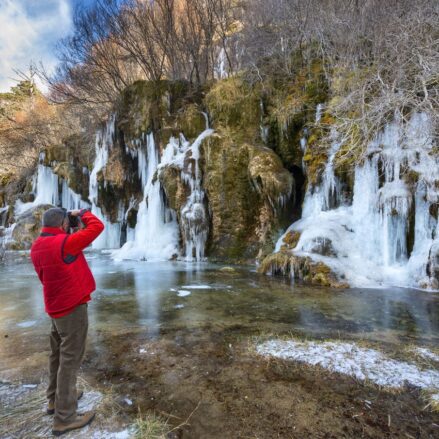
(411, 177)
(269, 175)
(175, 190)
(5, 179)
(243, 183)
(290, 240)
(146, 106)
(190, 121)
(284, 263)
(290, 104)
(233, 200)
(434, 210)
(235, 104)
(315, 156)
(275, 264)
(132, 218)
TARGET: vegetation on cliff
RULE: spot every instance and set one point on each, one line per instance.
(256, 71)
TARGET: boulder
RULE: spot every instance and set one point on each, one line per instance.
(28, 227)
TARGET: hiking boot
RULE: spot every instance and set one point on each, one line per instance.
(51, 404)
(80, 421)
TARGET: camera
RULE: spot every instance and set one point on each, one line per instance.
(73, 220)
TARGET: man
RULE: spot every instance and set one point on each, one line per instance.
(67, 284)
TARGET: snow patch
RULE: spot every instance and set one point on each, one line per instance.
(27, 324)
(125, 434)
(427, 354)
(183, 293)
(350, 359)
(89, 401)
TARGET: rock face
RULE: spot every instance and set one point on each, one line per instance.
(27, 228)
(244, 185)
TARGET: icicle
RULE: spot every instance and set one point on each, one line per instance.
(194, 221)
(110, 238)
(70, 200)
(366, 242)
(155, 236)
(45, 189)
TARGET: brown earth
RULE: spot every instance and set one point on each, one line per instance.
(212, 382)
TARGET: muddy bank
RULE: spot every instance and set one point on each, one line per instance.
(213, 377)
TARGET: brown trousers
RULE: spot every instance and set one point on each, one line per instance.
(67, 342)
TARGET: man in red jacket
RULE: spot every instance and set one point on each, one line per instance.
(67, 284)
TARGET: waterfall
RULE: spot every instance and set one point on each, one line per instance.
(156, 233)
(326, 195)
(44, 188)
(185, 156)
(366, 239)
(220, 69)
(110, 237)
(70, 200)
(48, 188)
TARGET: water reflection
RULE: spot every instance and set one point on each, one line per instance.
(144, 296)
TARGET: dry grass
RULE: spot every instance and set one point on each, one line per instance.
(23, 411)
(151, 426)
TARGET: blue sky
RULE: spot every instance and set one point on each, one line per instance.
(29, 30)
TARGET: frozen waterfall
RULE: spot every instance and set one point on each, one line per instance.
(110, 237)
(185, 156)
(385, 235)
(156, 233)
(48, 188)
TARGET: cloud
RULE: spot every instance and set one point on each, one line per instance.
(28, 33)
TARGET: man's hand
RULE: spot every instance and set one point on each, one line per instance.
(75, 212)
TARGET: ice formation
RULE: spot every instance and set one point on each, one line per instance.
(369, 235)
(156, 233)
(185, 156)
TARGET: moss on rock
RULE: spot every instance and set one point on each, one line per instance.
(302, 268)
(290, 240)
(235, 104)
(290, 104)
(176, 190)
(190, 121)
(242, 184)
(269, 175)
(147, 106)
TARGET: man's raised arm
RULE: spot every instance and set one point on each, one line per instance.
(78, 241)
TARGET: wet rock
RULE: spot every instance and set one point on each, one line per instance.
(300, 268)
(245, 185)
(323, 246)
(28, 227)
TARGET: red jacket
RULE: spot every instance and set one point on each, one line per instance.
(62, 268)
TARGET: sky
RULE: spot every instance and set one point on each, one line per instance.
(29, 30)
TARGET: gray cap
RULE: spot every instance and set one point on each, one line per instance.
(54, 217)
